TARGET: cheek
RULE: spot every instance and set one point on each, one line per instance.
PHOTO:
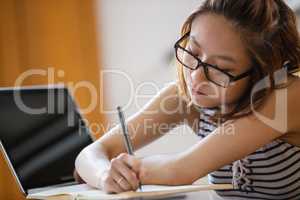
(236, 91)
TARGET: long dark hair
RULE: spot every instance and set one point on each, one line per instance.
(268, 29)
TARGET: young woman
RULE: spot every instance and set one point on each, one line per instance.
(236, 90)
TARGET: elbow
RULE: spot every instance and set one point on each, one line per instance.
(89, 164)
(84, 171)
(77, 177)
(79, 162)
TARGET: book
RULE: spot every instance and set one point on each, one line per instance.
(85, 192)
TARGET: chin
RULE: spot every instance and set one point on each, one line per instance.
(205, 102)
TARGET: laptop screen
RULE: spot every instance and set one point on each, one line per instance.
(42, 133)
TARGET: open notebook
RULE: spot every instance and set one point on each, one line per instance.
(85, 192)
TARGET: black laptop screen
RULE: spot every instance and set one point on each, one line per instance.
(42, 133)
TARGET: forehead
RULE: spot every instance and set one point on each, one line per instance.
(215, 34)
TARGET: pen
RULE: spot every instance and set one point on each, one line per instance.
(126, 136)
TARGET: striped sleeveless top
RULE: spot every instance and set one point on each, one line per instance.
(271, 172)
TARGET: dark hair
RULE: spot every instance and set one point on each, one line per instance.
(268, 29)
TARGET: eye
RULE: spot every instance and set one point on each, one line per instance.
(192, 52)
(190, 49)
(225, 68)
(229, 71)
(193, 49)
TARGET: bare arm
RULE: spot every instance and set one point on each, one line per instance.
(219, 148)
(143, 127)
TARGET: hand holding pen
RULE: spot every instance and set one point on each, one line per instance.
(126, 136)
(122, 175)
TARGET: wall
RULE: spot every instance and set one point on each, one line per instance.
(137, 41)
(56, 34)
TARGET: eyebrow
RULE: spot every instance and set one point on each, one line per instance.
(223, 57)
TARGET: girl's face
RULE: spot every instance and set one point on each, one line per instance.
(215, 41)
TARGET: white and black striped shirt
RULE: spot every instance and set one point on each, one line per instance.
(270, 173)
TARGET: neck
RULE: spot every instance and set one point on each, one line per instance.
(227, 108)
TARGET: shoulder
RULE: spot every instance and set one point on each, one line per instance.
(294, 88)
(293, 104)
(281, 109)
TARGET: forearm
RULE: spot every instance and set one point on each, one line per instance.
(163, 170)
(91, 163)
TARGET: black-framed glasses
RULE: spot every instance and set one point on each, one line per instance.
(212, 72)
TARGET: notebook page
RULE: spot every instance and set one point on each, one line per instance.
(83, 191)
(67, 190)
(150, 191)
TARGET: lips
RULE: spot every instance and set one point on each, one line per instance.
(194, 91)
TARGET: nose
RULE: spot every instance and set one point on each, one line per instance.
(198, 75)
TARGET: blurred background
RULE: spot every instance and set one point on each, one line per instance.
(124, 48)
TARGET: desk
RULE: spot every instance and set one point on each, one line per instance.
(203, 195)
(8, 188)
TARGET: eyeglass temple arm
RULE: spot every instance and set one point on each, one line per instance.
(243, 75)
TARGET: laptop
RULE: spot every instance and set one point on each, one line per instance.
(41, 134)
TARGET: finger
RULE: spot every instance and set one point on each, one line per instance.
(115, 187)
(131, 161)
(120, 180)
(110, 186)
(116, 165)
(128, 174)
(134, 168)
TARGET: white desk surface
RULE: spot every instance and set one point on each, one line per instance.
(205, 195)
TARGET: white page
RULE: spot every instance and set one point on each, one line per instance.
(84, 191)
(73, 189)
(98, 194)
(150, 191)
